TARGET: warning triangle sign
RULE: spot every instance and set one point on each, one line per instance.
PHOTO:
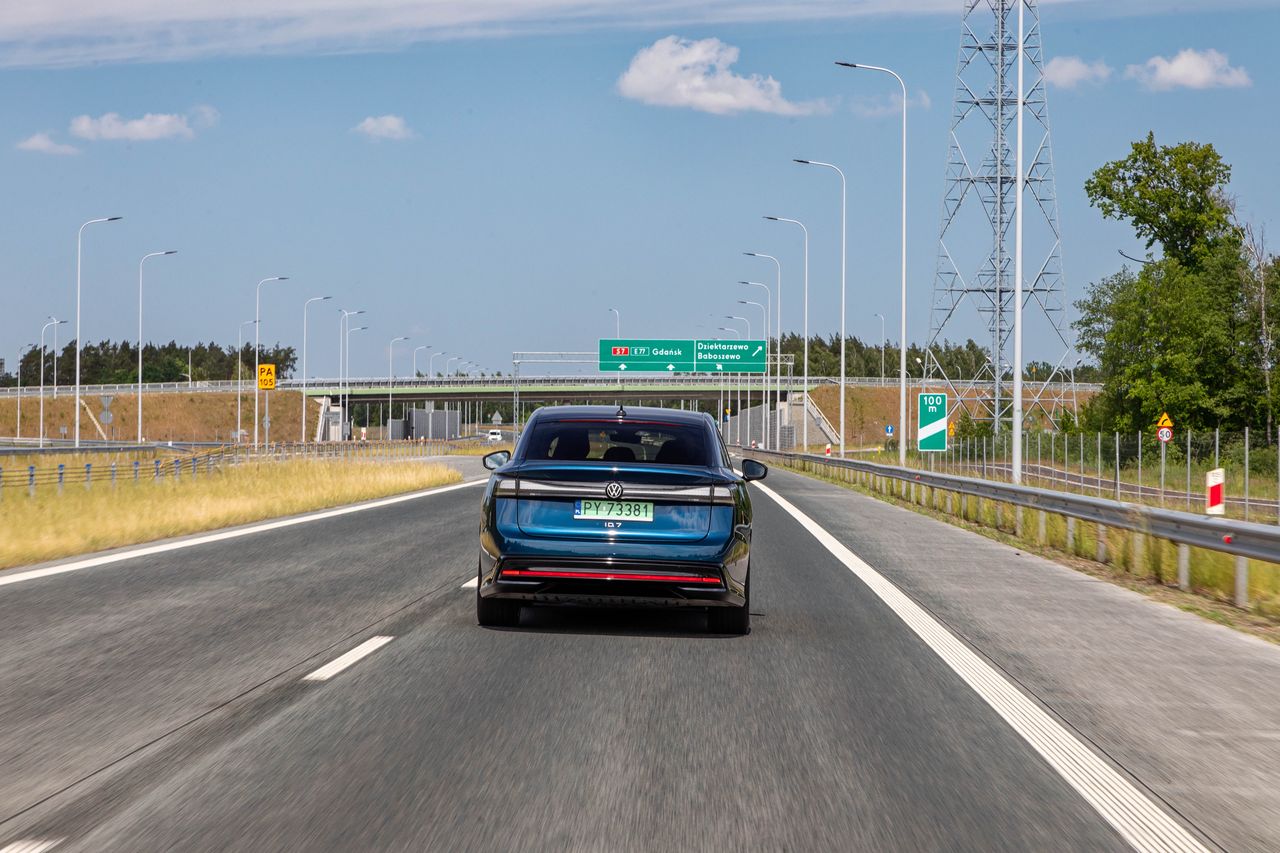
(1165, 420)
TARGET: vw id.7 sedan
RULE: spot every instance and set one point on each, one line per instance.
(604, 506)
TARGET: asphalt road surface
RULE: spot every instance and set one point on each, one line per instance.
(162, 702)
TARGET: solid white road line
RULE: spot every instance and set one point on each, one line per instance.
(31, 845)
(471, 584)
(149, 550)
(1138, 820)
(338, 664)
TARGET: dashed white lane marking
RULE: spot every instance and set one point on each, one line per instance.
(148, 550)
(338, 664)
(1138, 820)
(471, 584)
(31, 845)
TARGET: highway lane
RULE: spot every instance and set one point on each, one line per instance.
(96, 663)
(831, 725)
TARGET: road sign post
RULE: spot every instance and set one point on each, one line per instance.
(266, 377)
(931, 435)
(1215, 501)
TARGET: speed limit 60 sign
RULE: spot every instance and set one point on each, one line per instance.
(266, 377)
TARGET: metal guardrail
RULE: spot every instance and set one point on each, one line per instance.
(33, 479)
(1229, 536)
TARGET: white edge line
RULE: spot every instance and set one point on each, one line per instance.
(471, 584)
(12, 577)
(1138, 820)
(31, 845)
(338, 664)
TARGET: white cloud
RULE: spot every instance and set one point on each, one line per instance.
(88, 32)
(869, 106)
(384, 127)
(204, 115)
(1069, 72)
(1190, 69)
(676, 72)
(44, 144)
(150, 127)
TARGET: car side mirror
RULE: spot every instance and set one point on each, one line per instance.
(753, 470)
(497, 459)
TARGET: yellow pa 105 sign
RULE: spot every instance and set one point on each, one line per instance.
(266, 377)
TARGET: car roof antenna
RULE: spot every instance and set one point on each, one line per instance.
(622, 413)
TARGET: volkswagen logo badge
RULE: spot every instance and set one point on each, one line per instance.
(613, 491)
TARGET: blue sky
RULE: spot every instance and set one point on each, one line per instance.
(509, 189)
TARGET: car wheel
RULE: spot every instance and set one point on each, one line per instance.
(731, 620)
(496, 612)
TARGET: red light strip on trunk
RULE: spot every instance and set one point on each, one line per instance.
(605, 576)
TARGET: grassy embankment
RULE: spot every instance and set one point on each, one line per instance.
(194, 416)
(50, 526)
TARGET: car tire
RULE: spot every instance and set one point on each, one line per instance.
(731, 620)
(496, 612)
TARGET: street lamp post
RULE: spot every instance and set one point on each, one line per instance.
(79, 345)
(416, 350)
(843, 219)
(343, 322)
(881, 316)
(742, 381)
(391, 379)
(1020, 188)
(239, 373)
(305, 306)
(617, 322)
(777, 320)
(140, 263)
(804, 420)
(346, 363)
(55, 323)
(767, 320)
(431, 367)
(257, 336)
(902, 356)
(737, 334)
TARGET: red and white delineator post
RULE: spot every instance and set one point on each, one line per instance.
(1215, 501)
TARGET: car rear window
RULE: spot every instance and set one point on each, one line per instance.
(618, 441)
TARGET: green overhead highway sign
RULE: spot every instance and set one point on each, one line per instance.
(681, 356)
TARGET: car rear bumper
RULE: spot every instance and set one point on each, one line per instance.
(612, 582)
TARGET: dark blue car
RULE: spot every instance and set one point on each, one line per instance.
(636, 507)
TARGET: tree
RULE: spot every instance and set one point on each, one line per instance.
(1170, 338)
(1173, 195)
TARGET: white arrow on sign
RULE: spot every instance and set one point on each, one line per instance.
(622, 367)
(757, 352)
(671, 367)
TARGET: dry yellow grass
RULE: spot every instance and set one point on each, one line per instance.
(50, 526)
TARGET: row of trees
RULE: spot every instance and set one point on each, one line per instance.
(108, 363)
(1190, 331)
(958, 361)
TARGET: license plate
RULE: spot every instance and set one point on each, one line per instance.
(613, 510)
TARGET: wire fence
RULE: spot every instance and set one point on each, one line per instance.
(1135, 467)
(33, 480)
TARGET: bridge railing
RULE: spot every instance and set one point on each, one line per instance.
(463, 383)
(1128, 535)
